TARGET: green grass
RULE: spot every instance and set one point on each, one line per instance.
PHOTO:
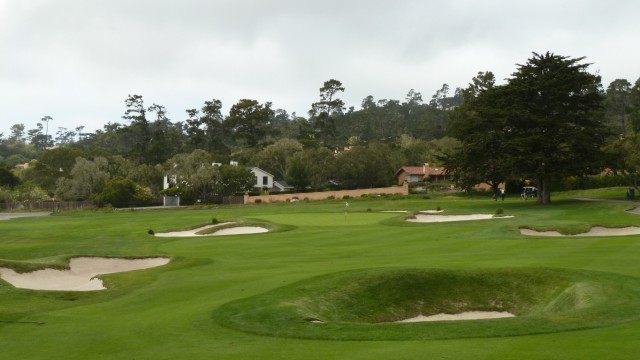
(612, 193)
(314, 249)
(365, 304)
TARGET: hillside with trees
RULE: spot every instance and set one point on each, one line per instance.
(552, 123)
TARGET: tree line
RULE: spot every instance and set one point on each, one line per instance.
(552, 119)
(306, 151)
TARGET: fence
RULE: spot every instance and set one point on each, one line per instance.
(46, 205)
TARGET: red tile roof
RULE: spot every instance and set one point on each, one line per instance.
(413, 170)
(419, 170)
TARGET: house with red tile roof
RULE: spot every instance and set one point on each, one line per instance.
(413, 174)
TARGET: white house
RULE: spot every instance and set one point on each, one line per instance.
(264, 180)
(170, 179)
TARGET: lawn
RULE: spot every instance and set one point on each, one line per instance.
(183, 310)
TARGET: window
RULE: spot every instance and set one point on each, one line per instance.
(265, 180)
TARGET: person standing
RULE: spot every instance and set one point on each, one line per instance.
(502, 194)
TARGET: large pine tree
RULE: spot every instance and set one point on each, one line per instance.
(556, 128)
(545, 124)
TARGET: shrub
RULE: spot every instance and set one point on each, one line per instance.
(171, 191)
(150, 232)
(119, 191)
(143, 195)
(499, 211)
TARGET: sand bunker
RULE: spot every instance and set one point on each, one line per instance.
(81, 276)
(237, 230)
(468, 315)
(428, 218)
(594, 231)
(241, 230)
(192, 232)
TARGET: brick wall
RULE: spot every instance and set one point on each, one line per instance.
(338, 194)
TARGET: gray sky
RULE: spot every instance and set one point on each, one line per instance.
(77, 60)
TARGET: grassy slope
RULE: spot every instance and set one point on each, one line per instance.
(167, 313)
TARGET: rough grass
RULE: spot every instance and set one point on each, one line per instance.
(365, 304)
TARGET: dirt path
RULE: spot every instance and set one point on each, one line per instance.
(9, 215)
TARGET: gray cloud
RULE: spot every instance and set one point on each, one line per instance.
(78, 60)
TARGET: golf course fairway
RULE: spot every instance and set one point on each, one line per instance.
(330, 282)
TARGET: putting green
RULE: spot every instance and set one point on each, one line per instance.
(364, 304)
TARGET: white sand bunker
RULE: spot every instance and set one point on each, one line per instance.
(237, 230)
(192, 232)
(429, 218)
(241, 230)
(594, 231)
(81, 276)
(468, 315)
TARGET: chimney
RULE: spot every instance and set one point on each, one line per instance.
(425, 171)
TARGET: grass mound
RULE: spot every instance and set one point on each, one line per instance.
(234, 224)
(364, 304)
(216, 226)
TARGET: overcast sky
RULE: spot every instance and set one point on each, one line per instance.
(77, 60)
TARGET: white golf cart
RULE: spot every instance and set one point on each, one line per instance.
(529, 192)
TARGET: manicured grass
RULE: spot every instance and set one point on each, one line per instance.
(176, 311)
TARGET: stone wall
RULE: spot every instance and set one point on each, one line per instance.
(337, 194)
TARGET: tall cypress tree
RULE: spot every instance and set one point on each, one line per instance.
(545, 124)
(554, 119)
